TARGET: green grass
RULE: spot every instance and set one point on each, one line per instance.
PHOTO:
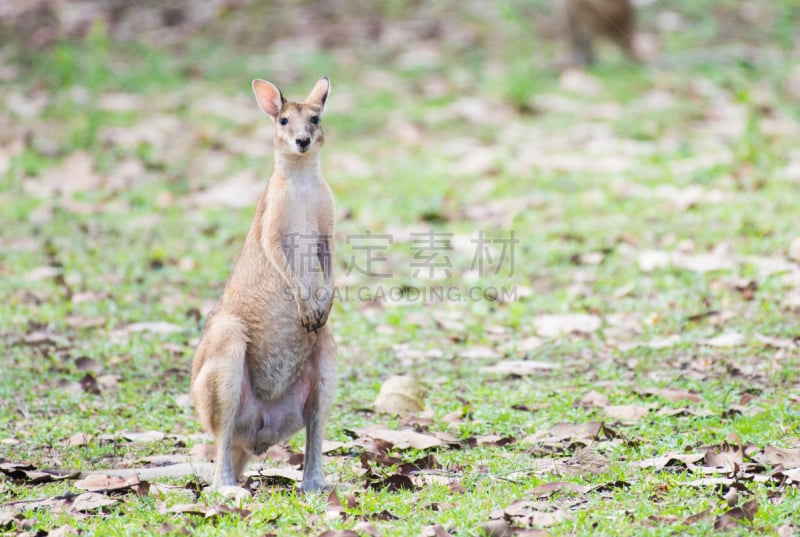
(591, 175)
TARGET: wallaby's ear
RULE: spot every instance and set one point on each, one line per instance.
(269, 97)
(320, 92)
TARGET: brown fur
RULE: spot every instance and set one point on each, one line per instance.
(586, 20)
(265, 366)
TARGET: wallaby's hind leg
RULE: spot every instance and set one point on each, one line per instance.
(240, 458)
(217, 375)
(315, 413)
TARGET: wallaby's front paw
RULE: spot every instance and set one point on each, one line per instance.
(324, 310)
(307, 315)
(312, 318)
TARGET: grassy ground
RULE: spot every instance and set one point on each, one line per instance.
(657, 202)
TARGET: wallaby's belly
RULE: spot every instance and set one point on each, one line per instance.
(261, 422)
(276, 360)
(278, 345)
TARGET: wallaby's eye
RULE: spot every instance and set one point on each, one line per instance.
(283, 121)
(314, 119)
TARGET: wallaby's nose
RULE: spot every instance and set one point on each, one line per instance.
(302, 142)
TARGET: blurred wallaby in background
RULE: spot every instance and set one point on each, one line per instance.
(585, 21)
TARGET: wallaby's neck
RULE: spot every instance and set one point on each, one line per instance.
(299, 168)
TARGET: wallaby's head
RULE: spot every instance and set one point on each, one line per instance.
(298, 126)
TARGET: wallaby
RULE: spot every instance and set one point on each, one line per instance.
(585, 20)
(266, 364)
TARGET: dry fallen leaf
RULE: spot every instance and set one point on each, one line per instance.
(566, 324)
(562, 432)
(497, 528)
(90, 296)
(188, 508)
(543, 491)
(650, 260)
(400, 395)
(435, 531)
(402, 439)
(80, 322)
(673, 459)
(730, 339)
(792, 475)
(42, 273)
(699, 413)
(90, 501)
(479, 352)
(84, 363)
(494, 440)
(697, 517)
(529, 344)
(27, 472)
(628, 413)
(203, 452)
(673, 394)
(105, 483)
(62, 531)
(528, 513)
(708, 482)
(579, 82)
(778, 343)
(731, 497)
(593, 399)
(704, 262)
(365, 528)
(168, 529)
(147, 436)
(791, 302)
(157, 327)
(219, 510)
(238, 191)
(724, 457)
(731, 519)
(662, 343)
(280, 475)
(75, 174)
(520, 368)
(392, 483)
(794, 250)
(78, 439)
(660, 520)
(788, 458)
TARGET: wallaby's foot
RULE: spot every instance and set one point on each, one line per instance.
(225, 481)
(315, 485)
(230, 463)
(225, 476)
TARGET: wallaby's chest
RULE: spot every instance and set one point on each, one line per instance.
(304, 203)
